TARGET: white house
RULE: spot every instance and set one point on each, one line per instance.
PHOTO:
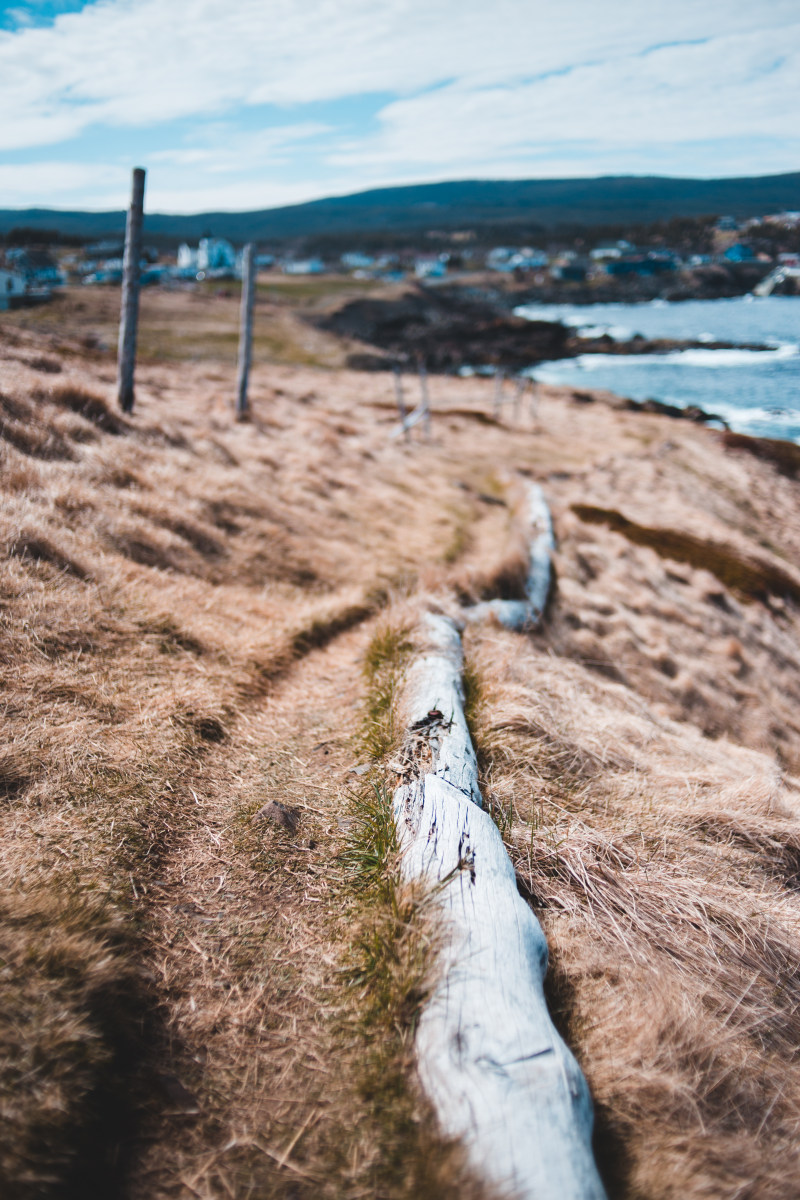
(216, 254)
(11, 284)
(430, 266)
(509, 258)
(354, 260)
(187, 258)
(304, 266)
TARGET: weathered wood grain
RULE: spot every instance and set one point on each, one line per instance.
(527, 613)
(499, 1076)
(129, 312)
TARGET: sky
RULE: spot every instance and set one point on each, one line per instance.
(249, 104)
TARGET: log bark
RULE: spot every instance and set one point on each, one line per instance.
(527, 613)
(499, 1076)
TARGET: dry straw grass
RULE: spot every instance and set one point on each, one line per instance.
(196, 1003)
(664, 869)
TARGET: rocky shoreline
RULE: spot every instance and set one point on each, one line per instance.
(446, 330)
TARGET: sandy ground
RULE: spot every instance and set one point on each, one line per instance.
(187, 606)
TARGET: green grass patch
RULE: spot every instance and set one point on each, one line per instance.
(387, 972)
(384, 665)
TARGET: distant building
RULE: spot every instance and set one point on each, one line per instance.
(727, 225)
(110, 248)
(510, 258)
(187, 258)
(430, 266)
(213, 256)
(304, 266)
(738, 253)
(568, 270)
(11, 284)
(356, 261)
(653, 263)
(216, 256)
(789, 220)
(605, 253)
(38, 268)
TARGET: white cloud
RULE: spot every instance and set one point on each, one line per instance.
(516, 88)
(676, 95)
(25, 184)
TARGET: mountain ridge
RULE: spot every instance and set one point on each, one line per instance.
(535, 203)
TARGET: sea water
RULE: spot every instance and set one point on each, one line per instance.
(755, 391)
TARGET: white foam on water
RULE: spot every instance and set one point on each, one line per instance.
(697, 357)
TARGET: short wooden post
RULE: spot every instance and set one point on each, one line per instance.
(534, 398)
(129, 315)
(401, 403)
(426, 400)
(519, 388)
(498, 394)
(245, 331)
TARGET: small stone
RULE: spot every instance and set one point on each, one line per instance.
(279, 814)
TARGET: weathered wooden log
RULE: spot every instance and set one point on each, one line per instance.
(499, 1076)
(245, 332)
(129, 311)
(527, 613)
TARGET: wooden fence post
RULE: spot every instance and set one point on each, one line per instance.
(534, 401)
(499, 378)
(426, 401)
(401, 404)
(129, 314)
(519, 388)
(245, 331)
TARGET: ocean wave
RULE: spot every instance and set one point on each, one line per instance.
(695, 357)
(619, 333)
(728, 358)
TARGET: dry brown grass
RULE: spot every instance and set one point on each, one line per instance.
(663, 868)
(186, 605)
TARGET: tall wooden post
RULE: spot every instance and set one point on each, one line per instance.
(245, 331)
(129, 315)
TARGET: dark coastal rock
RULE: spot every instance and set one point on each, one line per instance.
(444, 330)
(447, 328)
(642, 345)
(692, 412)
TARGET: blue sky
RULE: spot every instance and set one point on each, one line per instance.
(234, 104)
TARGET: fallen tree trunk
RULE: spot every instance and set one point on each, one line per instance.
(499, 1076)
(527, 613)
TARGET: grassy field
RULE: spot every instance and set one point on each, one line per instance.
(199, 323)
(204, 620)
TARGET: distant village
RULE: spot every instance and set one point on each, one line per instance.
(32, 274)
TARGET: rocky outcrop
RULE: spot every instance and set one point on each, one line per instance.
(443, 331)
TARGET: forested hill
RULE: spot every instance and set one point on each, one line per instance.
(468, 204)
